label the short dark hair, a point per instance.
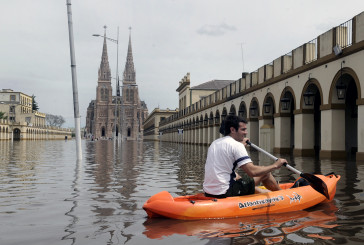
(231, 121)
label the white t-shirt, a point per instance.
(223, 157)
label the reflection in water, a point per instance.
(261, 229)
(47, 197)
(75, 194)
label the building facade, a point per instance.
(21, 122)
(151, 124)
(122, 116)
(308, 101)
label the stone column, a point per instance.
(304, 134)
(217, 131)
(253, 130)
(282, 133)
(266, 133)
(360, 153)
(206, 135)
(333, 134)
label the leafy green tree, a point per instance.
(35, 106)
(2, 115)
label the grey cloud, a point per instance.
(215, 30)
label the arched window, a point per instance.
(106, 96)
(131, 95)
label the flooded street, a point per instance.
(47, 197)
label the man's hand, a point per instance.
(280, 162)
(244, 141)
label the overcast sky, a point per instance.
(211, 39)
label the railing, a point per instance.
(343, 38)
(311, 51)
(344, 34)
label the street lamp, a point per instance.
(341, 87)
(267, 107)
(309, 98)
(285, 100)
(117, 74)
(253, 110)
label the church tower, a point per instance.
(133, 111)
(104, 116)
(129, 71)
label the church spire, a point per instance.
(104, 70)
(129, 72)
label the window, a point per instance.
(12, 109)
(12, 97)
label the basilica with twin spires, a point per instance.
(120, 116)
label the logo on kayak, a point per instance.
(294, 198)
(268, 201)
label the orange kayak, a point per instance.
(198, 206)
(323, 216)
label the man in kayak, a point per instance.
(228, 153)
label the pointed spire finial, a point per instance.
(105, 30)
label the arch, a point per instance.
(287, 122)
(211, 118)
(224, 114)
(217, 117)
(269, 98)
(314, 122)
(287, 93)
(254, 103)
(232, 110)
(103, 133)
(347, 109)
(345, 71)
(312, 82)
(16, 134)
(242, 110)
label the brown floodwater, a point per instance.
(48, 197)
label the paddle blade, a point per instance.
(317, 184)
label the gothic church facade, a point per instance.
(127, 110)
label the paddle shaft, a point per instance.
(274, 158)
(315, 182)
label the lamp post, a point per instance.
(116, 77)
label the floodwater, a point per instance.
(47, 197)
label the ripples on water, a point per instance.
(47, 197)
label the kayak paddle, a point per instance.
(315, 182)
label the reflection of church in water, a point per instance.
(130, 113)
